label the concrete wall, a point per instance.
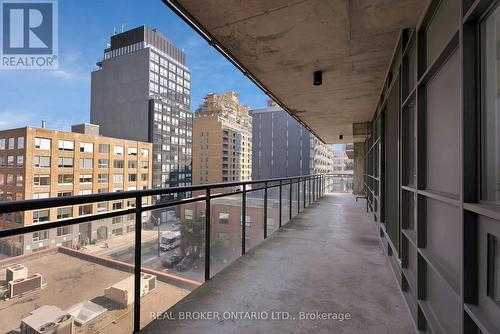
(359, 168)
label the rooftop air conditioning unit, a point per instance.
(148, 283)
(47, 319)
(16, 271)
(22, 285)
(122, 292)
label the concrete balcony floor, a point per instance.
(327, 259)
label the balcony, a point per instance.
(326, 259)
(112, 271)
(304, 250)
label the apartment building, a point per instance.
(321, 157)
(141, 91)
(42, 163)
(342, 163)
(222, 140)
(283, 147)
(226, 224)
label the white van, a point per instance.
(170, 240)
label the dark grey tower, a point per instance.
(280, 145)
(142, 91)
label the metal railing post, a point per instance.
(298, 195)
(318, 191)
(319, 186)
(323, 178)
(314, 188)
(280, 209)
(207, 234)
(137, 264)
(290, 199)
(309, 190)
(304, 193)
(265, 210)
(243, 219)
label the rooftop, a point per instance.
(69, 280)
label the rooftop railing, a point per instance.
(272, 201)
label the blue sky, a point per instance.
(62, 97)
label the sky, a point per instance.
(62, 97)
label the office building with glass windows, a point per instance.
(141, 90)
(281, 146)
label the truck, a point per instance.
(170, 240)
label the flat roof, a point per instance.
(69, 280)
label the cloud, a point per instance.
(195, 42)
(11, 119)
(62, 74)
(74, 56)
(69, 75)
(70, 67)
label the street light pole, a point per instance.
(155, 220)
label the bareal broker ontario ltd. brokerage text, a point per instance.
(244, 315)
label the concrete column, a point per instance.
(359, 168)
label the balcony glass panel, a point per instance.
(254, 221)
(172, 251)
(225, 234)
(78, 275)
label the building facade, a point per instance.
(141, 90)
(226, 225)
(342, 164)
(283, 147)
(43, 163)
(222, 140)
(320, 157)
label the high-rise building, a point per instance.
(142, 91)
(320, 157)
(283, 147)
(280, 144)
(342, 163)
(43, 163)
(222, 140)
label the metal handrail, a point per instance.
(315, 188)
(46, 203)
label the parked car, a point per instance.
(185, 264)
(171, 261)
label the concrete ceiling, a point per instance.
(282, 42)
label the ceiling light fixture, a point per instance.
(317, 78)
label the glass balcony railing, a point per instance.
(340, 183)
(114, 271)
